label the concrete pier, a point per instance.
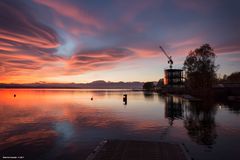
(137, 150)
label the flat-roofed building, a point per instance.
(173, 77)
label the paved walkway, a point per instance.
(137, 150)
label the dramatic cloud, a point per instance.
(52, 39)
(18, 29)
(76, 13)
(25, 44)
(73, 28)
(97, 60)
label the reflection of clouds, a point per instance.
(29, 137)
(66, 119)
(70, 107)
(69, 116)
(62, 122)
(65, 129)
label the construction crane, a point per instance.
(170, 61)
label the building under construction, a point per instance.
(172, 77)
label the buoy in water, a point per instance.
(14, 95)
(91, 98)
(125, 99)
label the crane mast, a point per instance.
(170, 61)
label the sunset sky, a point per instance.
(112, 40)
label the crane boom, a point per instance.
(164, 52)
(170, 61)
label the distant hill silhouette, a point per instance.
(100, 84)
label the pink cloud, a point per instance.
(38, 41)
(145, 53)
(227, 49)
(25, 45)
(232, 59)
(20, 29)
(74, 29)
(97, 60)
(195, 41)
(69, 10)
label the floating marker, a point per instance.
(125, 99)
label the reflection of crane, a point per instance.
(170, 61)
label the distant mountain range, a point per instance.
(100, 84)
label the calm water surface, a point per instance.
(66, 124)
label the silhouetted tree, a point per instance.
(222, 79)
(234, 77)
(148, 86)
(225, 77)
(200, 67)
(160, 83)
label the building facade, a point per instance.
(173, 77)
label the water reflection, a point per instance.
(233, 106)
(148, 95)
(66, 123)
(173, 108)
(125, 99)
(199, 120)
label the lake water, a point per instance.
(66, 124)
